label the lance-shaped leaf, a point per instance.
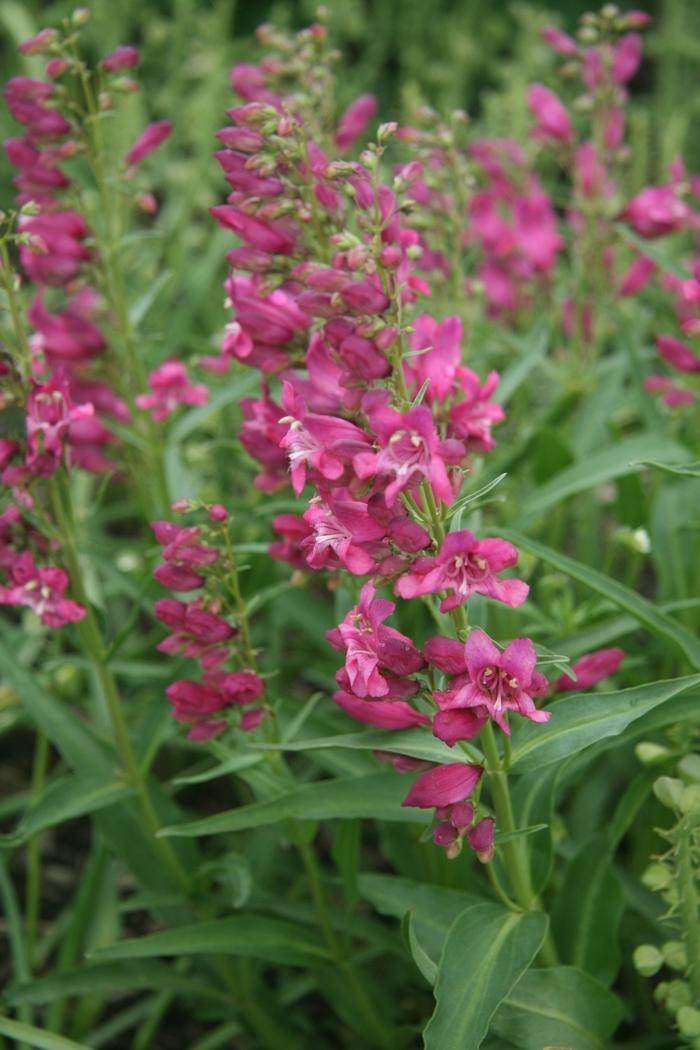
(255, 936)
(558, 1007)
(487, 950)
(581, 719)
(377, 796)
(656, 621)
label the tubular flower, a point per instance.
(465, 566)
(497, 682)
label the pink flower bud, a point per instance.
(120, 59)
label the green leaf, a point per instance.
(612, 462)
(579, 720)
(102, 978)
(232, 765)
(587, 911)
(253, 936)
(425, 964)
(487, 950)
(434, 908)
(563, 1007)
(644, 612)
(27, 1033)
(67, 734)
(684, 470)
(533, 802)
(417, 743)
(530, 351)
(377, 796)
(67, 798)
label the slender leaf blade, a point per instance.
(580, 720)
(486, 952)
(643, 611)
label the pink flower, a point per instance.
(39, 44)
(410, 451)
(657, 211)
(62, 234)
(444, 785)
(42, 590)
(354, 121)
(120, 59)
(371, 648)
(238, 687)
(457, 724)
(560, 42)
(498, 681)
(50, 414)
(465, 566)
(590, 670)
(637, 276)
(440, 361)
(260, 435)
(149, 140)
(171, 388)
(364, 297)
(342, 534)
(627, 58)
(323, 444)
(385, 714)
(266, 236)
(194, 628)
(673, 396)
(184, 556)
(677, 354)
(481, 839)
(553, 121)
(474, 414)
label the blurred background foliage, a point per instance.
(468, 54)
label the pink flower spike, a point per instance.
(444, 785)
(149, 140)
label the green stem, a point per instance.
(18, 951)
(513, 854)
(157, 498)
(33, 883)
(15, 311)
(96, 650)
(689, 904)
(376, 1029)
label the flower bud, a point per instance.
(688, 1020)
(649, 753)
(81, 16)
(689, 768)
(657, 877)
(690, 799)
(675, 955)
(647, 959)
(668, 790)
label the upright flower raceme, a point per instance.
(375, 421)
